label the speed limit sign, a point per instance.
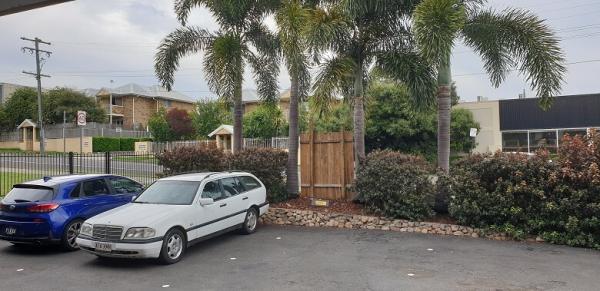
(81, 118)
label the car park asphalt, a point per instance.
(295, 258)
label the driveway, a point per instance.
(293, 258)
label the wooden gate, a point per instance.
(327, 165)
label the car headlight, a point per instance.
(139, 232)
(86, 229)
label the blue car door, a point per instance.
(96, 197)
(124, 189)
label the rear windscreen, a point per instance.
(28, 194)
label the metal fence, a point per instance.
(18, 167)
(69, 131)
(159, 147)
(274, 142)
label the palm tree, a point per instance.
(357, 37)
(504, 40)
(291, 18)
(241, 39)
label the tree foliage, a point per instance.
(64, 99)
(394, 123)
(180, 123)
(159, 127)
(209, 115)
(266, 121)
(22, 104)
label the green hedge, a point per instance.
(557, 199)
(114, 144)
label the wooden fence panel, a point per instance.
(327, 165)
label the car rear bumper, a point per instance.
(26, 232)
(121, 249)
(263, 208)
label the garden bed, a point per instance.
(345, 207)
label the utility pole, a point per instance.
(38, 75)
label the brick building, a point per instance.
(131, 106)
(251, 101)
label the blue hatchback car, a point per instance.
(51, 210)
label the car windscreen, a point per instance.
(23, 193)
(169, 192)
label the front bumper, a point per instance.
(122, 249)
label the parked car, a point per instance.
(174, 213)
(52, 209)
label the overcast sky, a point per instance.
(112, 42)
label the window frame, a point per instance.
(113, 189)
(218, 185)
(108, 187)
(235, 179)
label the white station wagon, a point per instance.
(175, 212)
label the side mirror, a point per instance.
(206, 201)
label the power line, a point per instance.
(485, 73)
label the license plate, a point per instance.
(10, 231)
(103, 247)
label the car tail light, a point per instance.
(43, 208)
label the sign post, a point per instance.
(81, 121)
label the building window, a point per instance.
(117, 101)
(514, 142)
(571, 132)
(542, 140)
(167, 103)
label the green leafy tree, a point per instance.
(338, 118)
(242, 38)
(4, 122)
(64, 99)
(21, 105)
(209, 115)
(393, 123)
(291, 18)
(351, 39)
(505, 40)
(159, 127)
(266, 121)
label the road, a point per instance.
(316, 259)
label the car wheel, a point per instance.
(70, 234)
(173, 247)
(250, 222)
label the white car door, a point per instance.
(237, 201)
(254, 190)
(210, 218)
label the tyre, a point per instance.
(70, 235)
(250, 222)
(173, 247)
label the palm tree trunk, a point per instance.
(443, 100)
(359, 114)
(238, 114)
(292, 163)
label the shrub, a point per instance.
(396, 185)
(105, 144)
(114, 144)
(558, 200)
(192, 159)
(268, 165)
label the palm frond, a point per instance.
(264, 69)
(265, 41)
(334, 77)
(184, 7)
(436, 25)
(517, 38)
(175, 45)
(411, 69)
(327, 30)
(223, 65)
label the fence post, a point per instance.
(107, 162)
(71, 163)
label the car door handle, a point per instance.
(245, 198)
(223, 205)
